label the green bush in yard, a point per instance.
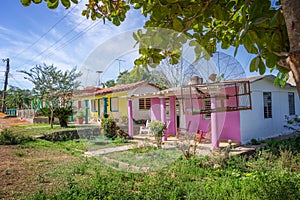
(158, 128)
(8, 137)
(111, 129)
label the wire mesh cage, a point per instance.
(224, 96)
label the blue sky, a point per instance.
(35, 35)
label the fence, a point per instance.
(26, 113)
(12, 112)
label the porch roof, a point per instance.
(94, 91)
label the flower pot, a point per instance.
(80, 121)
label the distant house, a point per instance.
(113, 101)
(242, 112)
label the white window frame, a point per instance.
(114, 104)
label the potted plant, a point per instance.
(158, 128)
(80, 116)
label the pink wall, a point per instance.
(231, 127)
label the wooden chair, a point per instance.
(203, 136)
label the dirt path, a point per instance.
(11, 121)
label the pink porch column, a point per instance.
(163, 114)
(130, 118)
(172, 126)
(163, 109)
(214, 126)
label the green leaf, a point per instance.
(116, 21)
(136, 36)
(37, 1)
(66, 3)
(75, 1)
(260, 20)
(254, 64)
(138, 62)
(172, 1)
(261, 67)
(83, 13)
(98, 15)
(271, 60)
(26, 2)
(52, 5)
(274, 19)
(177, 24)
(137, 5)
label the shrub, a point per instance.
(254, 142)
(8, 137)
(158, 128)
(111, 130)
(109, 126)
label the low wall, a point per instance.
(88, 133)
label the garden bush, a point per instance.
(111, 129)
(8, 137)
(158, 128)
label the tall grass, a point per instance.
(271, 173)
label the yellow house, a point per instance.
(114, 101)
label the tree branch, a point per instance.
(284, 63)
(190, 20)
(286, 54)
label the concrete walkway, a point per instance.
(202, 149)
(110, 150)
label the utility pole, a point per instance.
(99, 72)
(120, 60)
(5, 84)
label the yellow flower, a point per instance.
(248, 174)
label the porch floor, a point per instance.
(172, 140)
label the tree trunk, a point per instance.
(51, 120)
(291, 13)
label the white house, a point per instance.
(270, 105)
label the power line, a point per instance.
(42, 36)
(53, 44)
(87, 28)
(16, 81)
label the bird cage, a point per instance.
(227, 96)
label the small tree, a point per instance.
(53, 85)
(18, 98)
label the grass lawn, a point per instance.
(58, 170)
(37, 129)
(148, 157)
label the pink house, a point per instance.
(213, 107)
